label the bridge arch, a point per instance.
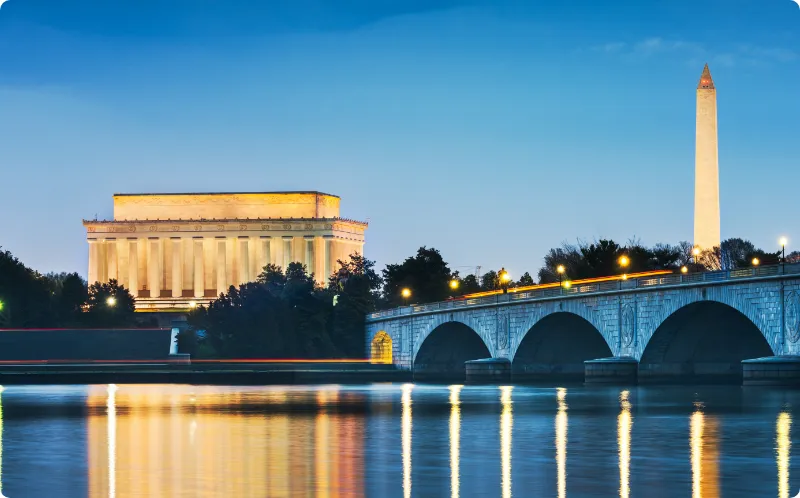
(703, 339)
(443, 351)
(556, 346)
(381, 348)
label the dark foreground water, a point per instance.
(393, 440)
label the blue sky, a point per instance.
(492, 130)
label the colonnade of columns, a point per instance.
(204, 266)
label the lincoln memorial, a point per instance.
(173, 251)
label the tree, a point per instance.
(69, 294)
(490, 281)
(426, 274)
(25, 295)
(355, 286)
(793, 257)
(469, 285)
(109, 305)
(525, 280)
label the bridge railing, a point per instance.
(596, 287)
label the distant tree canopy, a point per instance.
(426, 274)
(31, 300)
(285, 315)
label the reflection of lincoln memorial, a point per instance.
(171, 250)
(170, 441)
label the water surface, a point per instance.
(396, 441)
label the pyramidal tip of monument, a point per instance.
(706, 81)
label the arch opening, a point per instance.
(381, 348)
(706, 341)
(556, 347)
(443, 353)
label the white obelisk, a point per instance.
(706, 172)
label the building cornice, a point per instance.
(229, 220)
(280, 192)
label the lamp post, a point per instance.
(454, 286)
(783, 243)
(560, 270)
(505, 278)
(406, 293)
(4, 321)
(695, 254)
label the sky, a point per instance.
(491, 130)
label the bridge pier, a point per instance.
(488, 370)
(771, 371)
(614, 370)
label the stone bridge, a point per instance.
(693, 325)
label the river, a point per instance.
(390, 440)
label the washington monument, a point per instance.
(706, 166)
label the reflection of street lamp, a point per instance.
(505, 278)
(406, 293)
(111, 301)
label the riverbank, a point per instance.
(233, 373)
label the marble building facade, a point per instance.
(173, 251)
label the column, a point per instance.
(298, 250)
(93, 261)
(111, 259)
(222, 277)
(287, 251)
(319, 261)
(330, 261)
(308, 243)
(154, 266)
(199, 268)
(102, 266)
(266, 252)
(133, 267)
(244, 260)
(255, 258)
(177, 267)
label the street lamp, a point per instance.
(567, 284)
(406, 293)
(756, 261)
(695, 254)
(111, 301)
(560, 270)
(193, 304)
(505, 278)
(454, 284)
(624, 262)
(684, 269)
(783, 243)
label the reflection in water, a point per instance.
(215, 441)
(783, 444)
(406, 439)
(1, 442)
(455, 439)
(506, 421)
(704, 441)
(624, 423)
(561, 441)
(111, 406)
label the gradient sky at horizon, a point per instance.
(489, 129)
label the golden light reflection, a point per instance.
(455, 440)
(704, 442)
(111, 407)
(624, 424)
(696, 440)
(1, 441)
(228, 442)
(561, 441)
(406, 438)
(783, 450)
(506, 424)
